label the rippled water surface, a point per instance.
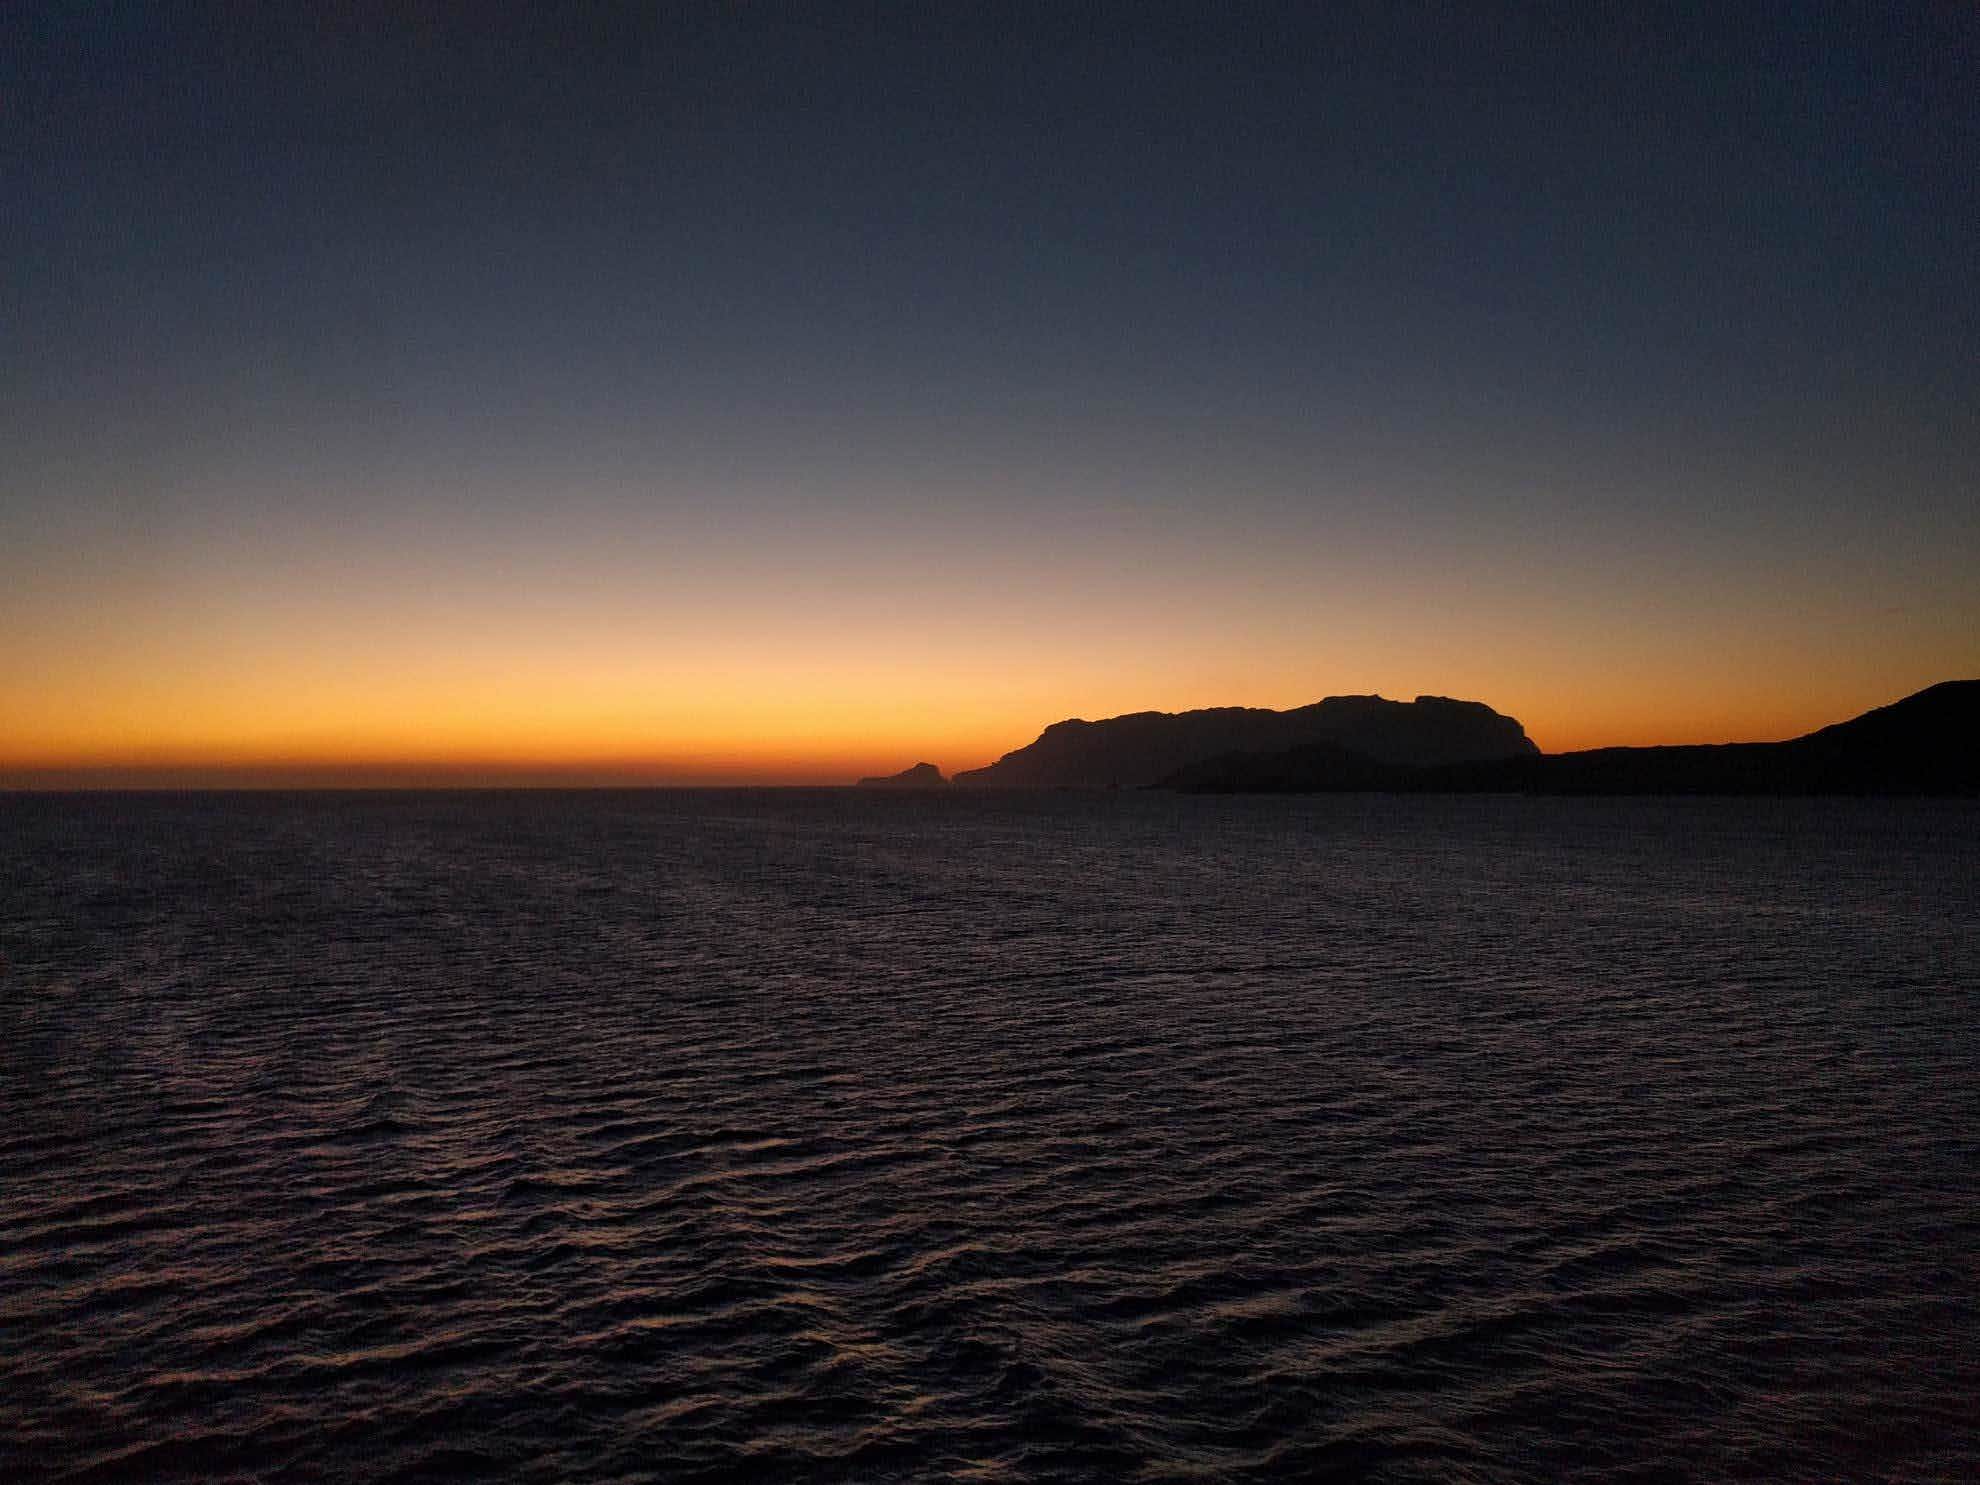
(842, 1136)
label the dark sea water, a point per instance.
(838, 1136)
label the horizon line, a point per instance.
(330, 774)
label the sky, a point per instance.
(762, 393)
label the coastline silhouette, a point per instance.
(1926, 743)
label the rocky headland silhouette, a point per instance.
(1144, 748)
(921, 776)
(1927, 743)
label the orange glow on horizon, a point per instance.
(803, 741)
(820, 657)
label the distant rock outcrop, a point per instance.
(921, 776)
(1143, 748)
(1928, 743)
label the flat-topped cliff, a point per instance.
(1143, 748)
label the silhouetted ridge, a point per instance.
(1311, 768)
(1925, 744)
(921, 776)
(1143, 748)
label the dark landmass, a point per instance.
(1316, 768)
(1925, 744)
(921, 776)
(1145, 748)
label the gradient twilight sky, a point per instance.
(781, 393)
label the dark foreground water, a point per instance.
(838, 1136)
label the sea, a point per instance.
(838, 1135)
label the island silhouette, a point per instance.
(921, 776)
(1926, 744)
(1144, 748)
